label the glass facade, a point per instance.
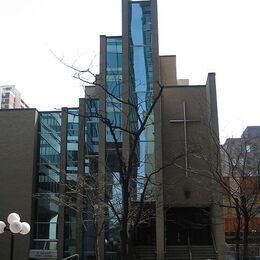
(141, 94)
(72, 138)
(140, 90)
(114, 114)
(91, 148)
(49, 160)
(72, 144)
(141, 84)
(47, 194)
(91, 137)
(114, 86)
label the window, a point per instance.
(234, 162)
(241, 161)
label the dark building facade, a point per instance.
(75, 175)
(18, 156)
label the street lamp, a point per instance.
(14, 227)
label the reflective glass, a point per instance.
(114, 86)
(141, 68)
(46, 224)
(141, 86)
(72, 141)
(71, 178)
(91, 172)
(114, 194)
(114, 60)
(140, 23)
(47, 230)
(89, 238)
(92, 127)
(69, 238)
(48, 170)
(49, 152)
(91, 137)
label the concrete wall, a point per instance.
(196, 189)
(178, 186)
(168, 75)
(18, 140)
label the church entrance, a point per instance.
(188, 223)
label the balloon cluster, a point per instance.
(15, 226)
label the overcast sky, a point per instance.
(219, 36)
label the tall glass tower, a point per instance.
(129, 71)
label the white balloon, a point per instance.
(13, 217)
(15, 227)
(25, 228)
(2, 227)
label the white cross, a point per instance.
(184, 121)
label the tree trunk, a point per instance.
(131, 251)
(124, 242)
(124, 222)
(238, 228)
(238, 240)
(97, 249)
(245, 237)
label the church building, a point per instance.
(139, 127)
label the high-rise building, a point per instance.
(137, 128)
(10, 98)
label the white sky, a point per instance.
(219, 36)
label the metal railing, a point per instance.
(45, 243)
(72, 256)
(189, 246)
(214, 243)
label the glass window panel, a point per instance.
(115, 118)
(109, 136)
(69, 238)
(114, 60)
(140, 23)
(49, 152)
(48, 170)
(141, 68)
(146, 158)
(71, 213)
(72, 143)
(92, 127)
(89, 238)
(114, 193)
(91, 165)
(92, 108)
(46, 230)
(114, 88)
(114, 77)
(113, 106)
(48, 207)
(141, 87)
(52, 244)
(114, 47)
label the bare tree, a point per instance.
(240, 169)
(130, 183)
(238, 180)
